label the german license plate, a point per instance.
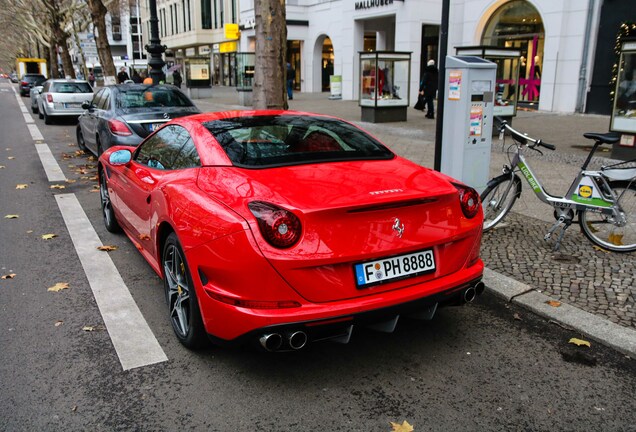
(398, 267)
(72, 105)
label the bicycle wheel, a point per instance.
(604, 231)
(498, 198)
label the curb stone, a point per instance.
(599, 329)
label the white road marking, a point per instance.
(132, 338)
(28, 118)
(35, 132)
(51, 167)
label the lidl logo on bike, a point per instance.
(585, 191)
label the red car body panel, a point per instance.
(347, 210)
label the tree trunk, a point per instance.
(271, 44)
(98, 16)
(67, 63)
(54, 72)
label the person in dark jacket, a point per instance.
(428, 87)
(290, 75)
(122, 76)
(136, 78)
(176, 78)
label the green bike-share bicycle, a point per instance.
(604, 200)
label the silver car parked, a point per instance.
(63, 97)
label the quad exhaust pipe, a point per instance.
(274, 341)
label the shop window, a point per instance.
(518, 24)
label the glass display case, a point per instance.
(384, 85)
(507, 84)
(624, 109)
(245, 62)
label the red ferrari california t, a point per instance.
(286, 228)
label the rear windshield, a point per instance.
(151, 97)
(62, 87)
(33, 78)
(266, 141)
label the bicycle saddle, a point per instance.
(605, 138)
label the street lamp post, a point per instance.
(155, 49)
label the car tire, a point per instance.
(47, 118)
(108, 214)
(34, 109)
(98, 144)
(183, 306)
(40, 115)
(80, 139)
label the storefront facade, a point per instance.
(326, 38)
(556, 38)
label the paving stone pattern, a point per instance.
(596, 281)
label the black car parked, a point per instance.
(125, 114)
(28, 81)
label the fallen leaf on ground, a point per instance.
(94, 190)
(8, 276)
(517, 317)
(79, 153)
(88, 328)
(70, 181)
(58, 323)
(553, 303)
(404, 427)
(58, 287)
(580, 342)
(12, 216)
(600, 249)
(107, 248)
(49, 236)
(2, 166)
(30, 232)
(74, 408)
(11, 158)
(57, 186)
(21, 186)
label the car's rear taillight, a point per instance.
(468, 200)
(118, 128)
(281, 228)
(49, 98)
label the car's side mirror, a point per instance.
(120, 157)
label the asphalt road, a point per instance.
(483, 366)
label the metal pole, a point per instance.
(154, 48)
(443, 49)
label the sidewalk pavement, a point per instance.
(596, 289)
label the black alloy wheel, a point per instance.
(80, 138)
(107, 207)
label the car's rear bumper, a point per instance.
(339, 327)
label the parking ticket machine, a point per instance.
(469, 96)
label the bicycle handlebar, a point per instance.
(523, 138)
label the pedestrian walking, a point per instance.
(428, 87)
(176, 78)
(91, 78)
(122, 76)
(291, 75)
